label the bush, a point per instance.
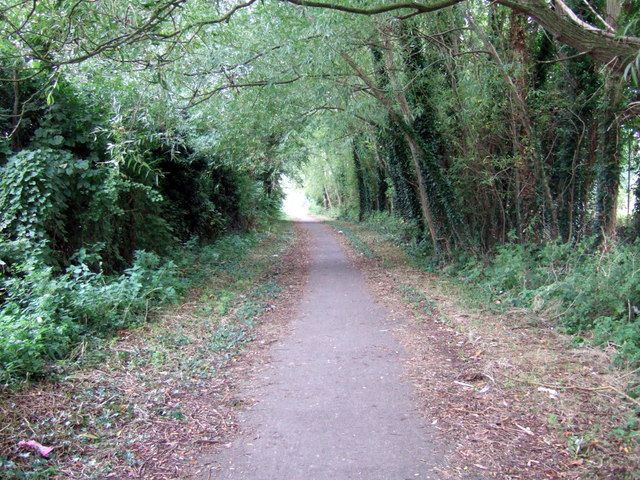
(584, 290)
(93, 206)
(45, 315)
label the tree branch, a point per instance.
(204, 96)
(562, 22)
(416, 6)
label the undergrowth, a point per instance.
(589, 294)
(45, 316)
(102, 411)
(592, 295)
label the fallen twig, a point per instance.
(574, 387)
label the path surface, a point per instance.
(333, 404)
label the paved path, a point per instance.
(333, 404)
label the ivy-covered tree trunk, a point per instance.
(381, 190)
(393, 151)
(571, 143)
(525, 198)
(609, 158)
(531, 179)
(636, 209)
(395, 154)
(433, 195)
(364, 196)
(16, 143)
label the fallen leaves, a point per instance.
(511, 419)
(150, 407)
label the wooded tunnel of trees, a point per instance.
(134, 131)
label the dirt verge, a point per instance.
(157, 398)
(505, 390)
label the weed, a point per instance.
(574, 445)
(629, 432)
(41, 469)
(417, 299)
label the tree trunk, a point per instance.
(16, 117)
(526, 134)
(363, 190)
(609, 157)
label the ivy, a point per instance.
(34, 193)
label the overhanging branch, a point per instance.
(417, 7)
(615, 51)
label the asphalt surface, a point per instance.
(333, 403)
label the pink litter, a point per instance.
(41, 449)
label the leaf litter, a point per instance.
(504, 392)
(508, 395)
(153, 400)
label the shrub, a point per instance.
(45, 315)
(586, 290)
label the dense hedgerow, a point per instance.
(94, 219)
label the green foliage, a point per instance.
(34, 195)
(584, 290)
(44, 315)
(96, 201)
(41, 469)
(418, 301)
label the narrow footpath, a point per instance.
(333, 403)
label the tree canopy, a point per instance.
(247, 82)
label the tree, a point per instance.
(601, 43)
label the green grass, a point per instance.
(357, 243)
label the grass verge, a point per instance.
(513, 396)
(145, 402)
